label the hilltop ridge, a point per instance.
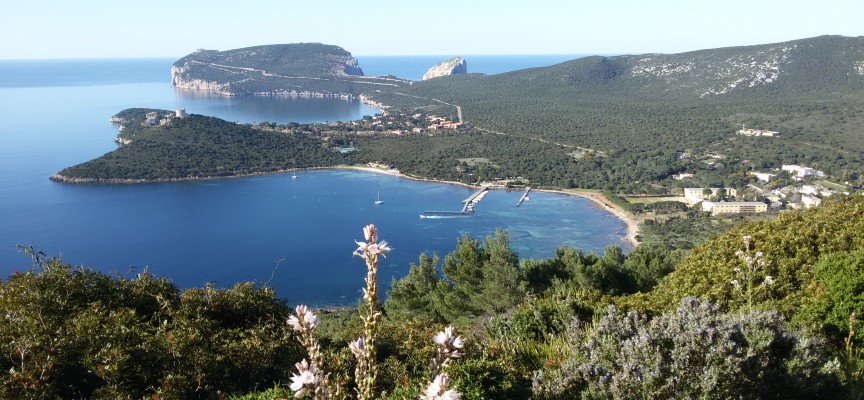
(298, 69)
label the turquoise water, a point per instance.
(295, 234)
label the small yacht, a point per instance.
(379, 201)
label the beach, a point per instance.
(597, 198)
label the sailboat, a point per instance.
(293, 173)
(379, 201)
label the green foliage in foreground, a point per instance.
(694, 351)
(76, 333)
(792, 245)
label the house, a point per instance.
(682, 176)
(695, 195)
(763, 176)
(734, 207)
(810, 201)
(799, 172)
(756, 132)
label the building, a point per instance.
(810, 201)
(181, 113)
(696, 195)
(734, 207)
(799, 172)
(152, 118)
(756, 132)
(763, 176)
(682, 176)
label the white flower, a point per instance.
(304, 318)
(449, 342)
(305, 381)
(736, 283)
(747, 240)
(370, 233)
(769, 280)
(437, 390)
(369, 249)
(358, 347)
(295, 323)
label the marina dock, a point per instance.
(524, 196)
(474, 198)
(467, 208)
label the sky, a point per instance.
(39, 29)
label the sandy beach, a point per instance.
(596, 197)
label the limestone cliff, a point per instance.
(453, 66)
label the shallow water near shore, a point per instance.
(296, 235)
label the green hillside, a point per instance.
(634, 106)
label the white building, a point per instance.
(696, 195)
(682, 176)
(734, 207)
(181, 113)
(763, 176)
(799, 172)
(810, 201)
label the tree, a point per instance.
(411, 296)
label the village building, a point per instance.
(763, 176)
(734, 207)
(695, 195)
(799, 172)
(756, 132)
(810, 201)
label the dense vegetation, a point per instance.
(199, 146)
(767, 309)
(650, 116)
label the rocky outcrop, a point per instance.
(453, 66)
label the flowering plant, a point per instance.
(310, 378)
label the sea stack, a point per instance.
(453, 66)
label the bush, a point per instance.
(694, 351)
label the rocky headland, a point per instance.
(453, 66)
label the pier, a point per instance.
(524, 196)
(467, 209)
(474, 198)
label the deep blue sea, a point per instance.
(296, 235)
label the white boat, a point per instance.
(379, 201)
(294, 173)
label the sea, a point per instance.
(294, 232)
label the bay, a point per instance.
(296, 235)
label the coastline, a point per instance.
(603, 203)
(596, 198)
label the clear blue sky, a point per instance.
(37, 29)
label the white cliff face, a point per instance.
(180, 80)
(453, 66)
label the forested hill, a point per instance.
(825, 65)
(638, 108)
(197, 147)
(299, 68)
